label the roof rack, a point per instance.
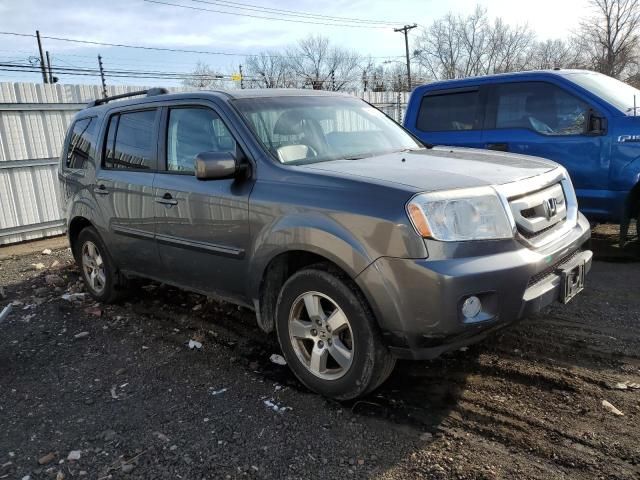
(149, 93)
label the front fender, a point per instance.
(629, 175)
(313, 233)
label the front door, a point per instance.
(124, 189)
(202, 225)
(545, 120)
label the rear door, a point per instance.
(124, 188)
(203, 225)
(545, 120)
(451, 117)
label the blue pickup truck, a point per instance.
(583, 120)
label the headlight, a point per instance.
(458, 215)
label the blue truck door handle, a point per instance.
(500, 147)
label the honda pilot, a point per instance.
(350, 239)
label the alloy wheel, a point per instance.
(321, 335)
(93, 267)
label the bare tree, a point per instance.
(508, 48)
(609, 40)
(324, 67)
(203, 77)
(456, 46)
(554, 54)
(439, 49)
(269, 70)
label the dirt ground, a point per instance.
(118, 387)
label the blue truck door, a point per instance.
(546, 120)
(449, 117)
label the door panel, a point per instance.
(202, 225)
(542, 119)
(124, 190)
(127, 205)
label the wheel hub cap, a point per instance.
(93, 267)
(321, 335)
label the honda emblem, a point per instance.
(550, 208)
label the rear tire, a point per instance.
(329, 337)
(101, 278)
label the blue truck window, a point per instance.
(541, 107)
(449, 111)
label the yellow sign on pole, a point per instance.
(236, 77)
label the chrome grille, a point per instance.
(538, 212)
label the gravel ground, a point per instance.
(114, 391)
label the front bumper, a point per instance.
(418, 301)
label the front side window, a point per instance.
(194, 130)
(130, 141)
(449, 112)
(541, 107)
(310, 129)
(80, 151)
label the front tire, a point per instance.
(329, 337)
(98, 271)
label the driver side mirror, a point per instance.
(216, 165)
(595, 124)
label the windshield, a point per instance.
(310, 129)
(613, 91)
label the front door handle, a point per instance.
(167, 199)
(101, 189)
(500, 147)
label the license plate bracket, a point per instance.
(571, 281)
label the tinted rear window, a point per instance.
(130, 141)
(450, 111)
(80, 151)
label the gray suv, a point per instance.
(349, 238)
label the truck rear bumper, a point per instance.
(418, 302)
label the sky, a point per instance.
(156, 24)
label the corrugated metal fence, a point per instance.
(33, 122)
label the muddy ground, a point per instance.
(119, 387)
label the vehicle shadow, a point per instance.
(606, 245)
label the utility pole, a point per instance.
(49, 67)
(42, 67)
(405, 30)
(241, 78)
(104, 84)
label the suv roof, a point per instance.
(156, 94)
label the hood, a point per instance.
(440, 168)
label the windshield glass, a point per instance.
(310, 129)
(613, 91)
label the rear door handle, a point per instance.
(167, 199)
(101, 189)
(500, 147)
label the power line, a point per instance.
(202, 9)
(159, 49)
(292, 13)
(113, 73)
